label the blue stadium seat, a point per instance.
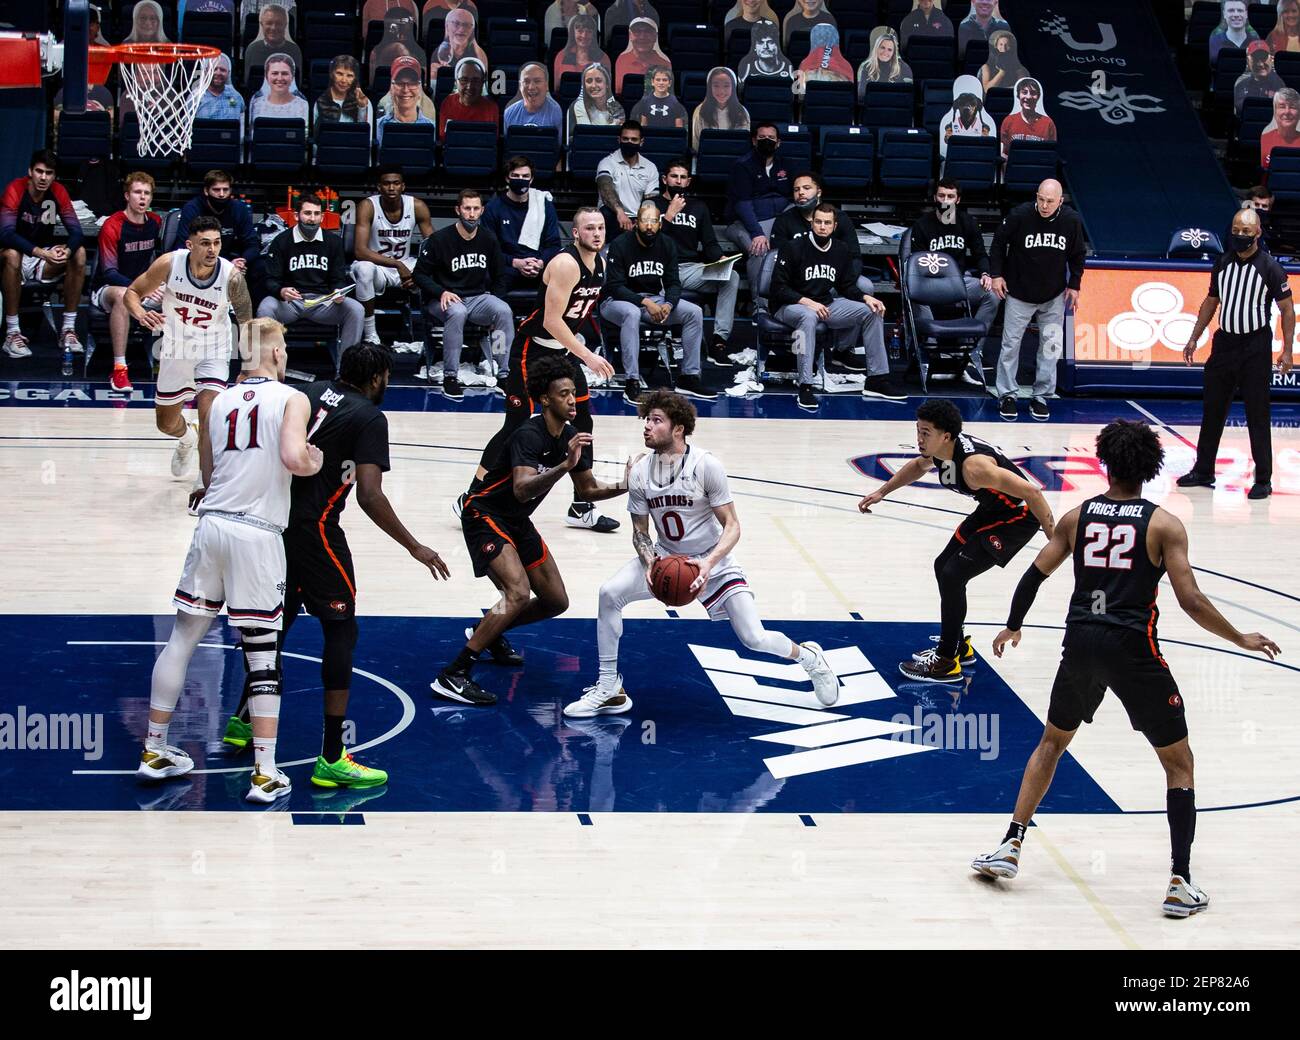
(128, 148)
(769, 98)
(905, 159)
(797, 47)
(412, 146)
(719, 151)
(279, 144)
(1284, 174)
(831, 104)
(588, 145)
(848, 157)
(216, 144)
(541, 144)
(631, 90)
(797, 146)
(343, 148)
(318, 76)
(570, 86)
(513, 41)
(856, 46)
(445, 85)
(1229, 67)
(694, 47)
(1029, 163)
(691, 86)
(1201, 22)
(974, 162)
(887, 104)
(1192, 243)
(975, 57)
(1262, 17)
(930, 57)
(469, 148)
(661, 145)
(210, 29)
(936, 102)
(1287, 66)
(84, 135)
(1256, 113)
(998, 103)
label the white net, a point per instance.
(166, 95)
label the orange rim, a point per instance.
(104, 58)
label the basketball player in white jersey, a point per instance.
(236, 557)
(199, 290)
(385, 242)
(685, 491)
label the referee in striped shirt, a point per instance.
(1244, 285)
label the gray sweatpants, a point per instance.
(627, 316)
(1051, 335)
(724, 311)
(844, 314)
(983, 304)
(349, 315)
(743, 240)
(483, 309)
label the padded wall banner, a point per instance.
(1137, 159)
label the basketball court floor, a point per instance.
(729, 808)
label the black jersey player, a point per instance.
(1009, 512)
(571, 285)
(346, 423)
(499, 533)
(1122, 545)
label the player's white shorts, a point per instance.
(192, 366)
(628, 585)
(236, 563)
(372, 280)
(34, 270)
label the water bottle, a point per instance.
(68, 360)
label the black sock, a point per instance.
(581, 503)
(1016, 830)
(331, 747)
(1180, 808)
(464, 662)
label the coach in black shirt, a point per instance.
(687, 222)
(1244, 285)
(465, 277)
(641, 280)
(1037, 267)
(306, 262)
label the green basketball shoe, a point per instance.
(346, 772)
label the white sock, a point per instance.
(806, 657)
(190, 437)
(119, 362)
(264, 756)
(156, 737)
(369, 329)
(11, 323)
(69, 321)
(609, 675)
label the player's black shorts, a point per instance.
(523, 353)
(1127, 661)
(319, 572)
(486, 536)
(1001, 537)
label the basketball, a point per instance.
(670, 579)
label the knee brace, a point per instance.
(336, 659)
(261, 658)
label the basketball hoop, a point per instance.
(165, 82)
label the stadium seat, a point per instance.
(279, 144)
(1284, 174)
(905, 159)
(588, 145)
(974, 58)
(570, 86)
(412, 146)
(831, 104)
(128, 148)
(888, 104)
(1287, 66)
(946, 338)
(1228, 68)
(541, 144)
(1192, 243)
(848, 157)
(691, 87)
(84, 135)
(470, 149)
(797, 146)
(936, 102)
(769, 99)
(998, 103)
(513, 41)
(1029, 163)
(974, 162)
(1256, 113)
(930, 57)
(343, 148)
(661, 145)
(216, 144)
(719, 151)
(1262, 17)
(694, 47)
(210, 29)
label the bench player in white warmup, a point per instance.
(237, 554)
(685, 491)
(387, 223)
(199, 290)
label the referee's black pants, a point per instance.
(1245, 363)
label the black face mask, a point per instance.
(810, 205)
(822, 241)
(648, 237)
(218, 205)
(946, 211)
(1241, 243)
(519, 185)
(674, 193)
(630, 149)
(766, 148)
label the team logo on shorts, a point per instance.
(249, 395)
(1175, 700)
(515, 402)
(338, 606)
(996, 542)
(490, 547)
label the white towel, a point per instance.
(530, 235)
